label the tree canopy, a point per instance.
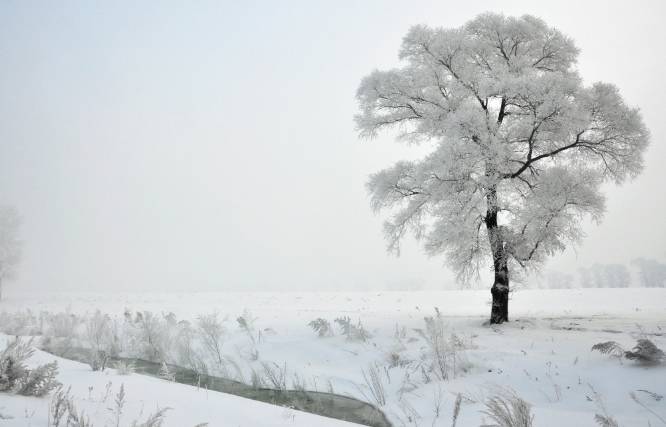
(515, 134)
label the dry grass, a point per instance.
(374, 383)
(507, 409)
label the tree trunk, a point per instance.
(500, 292)
(499, 312)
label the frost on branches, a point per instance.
(520, 146)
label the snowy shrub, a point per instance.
(443, 357)
(508, 410)
(322, 327)
(63, 332)
(101, 334)
(99, 338)
(59, 332)
(59, 325)
(97, 360)
(124, 367)
(19, 323)
(62, 347)
(153, 336)
(12, 366)
(15, 377)
(187, 351)
(165, 373)
(211, 331)
(39, 381)
(645, 351)
(353, 332)
(275, 375)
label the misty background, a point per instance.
(211, 145)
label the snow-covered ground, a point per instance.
(543, 354)
(95, 393)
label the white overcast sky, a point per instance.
(211, 145)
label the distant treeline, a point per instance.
(643, 272)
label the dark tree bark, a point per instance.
(500, 290)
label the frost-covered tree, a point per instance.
(10, 245)
(605, 276)
(651, 273)
(520, 147)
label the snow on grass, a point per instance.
(543, 354)
(94, 393)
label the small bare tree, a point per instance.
(212, 331)
(10, 245)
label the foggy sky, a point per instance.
(211, 145)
